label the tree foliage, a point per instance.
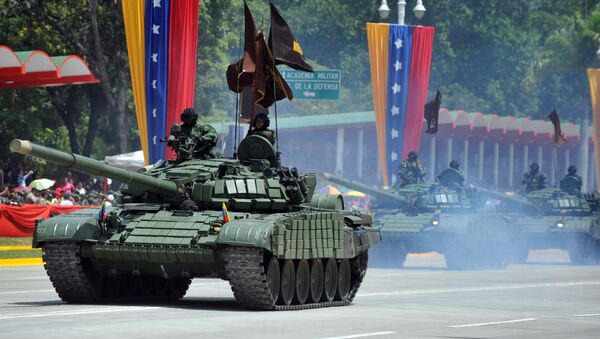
(519, 57)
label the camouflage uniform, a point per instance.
(200, 138)
(452, 176)
(534, 179)
(411, 172)
(264, 131)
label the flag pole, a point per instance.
(272, 36)
(554, 161)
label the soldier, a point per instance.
(411, 170)
(572, 182)
(534, 179)
(260, 126)
(192, 141)
(452, 176)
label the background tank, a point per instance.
(448, 219)
(564, 220)
(283, 247)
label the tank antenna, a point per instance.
(237, 100)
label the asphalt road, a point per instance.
(547, 298)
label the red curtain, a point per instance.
(183, 42)
(19, 221)
(420, 66)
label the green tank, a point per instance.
(455, 221)
(283, 247)
(559, 219)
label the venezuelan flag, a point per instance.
(161, 43)
(400, 63)
(225, 214)
(102, 213)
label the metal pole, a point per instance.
(401, 11)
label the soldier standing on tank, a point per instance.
(534, 179)
(452, 175)
(190, 140)
(572, 182)
(411, 170)
(260, 126)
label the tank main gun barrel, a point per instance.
(381, 195)
(94, 167)
(514, 201)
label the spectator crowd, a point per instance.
(15, 178)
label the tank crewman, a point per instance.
(190, 140)
(534, 179)
(452, 175)
(572, 182)
(260, 126)
(411, 170)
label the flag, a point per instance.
(285, 47)
(256, 68)
(559, 139)
(225, 214)
(102, 212)
(240, 74)
(594, 82)
(400, 58)
(432, 113)
(162, 38)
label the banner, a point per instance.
(400, 58)
(161, 42)
(594, 79)
(19, 221)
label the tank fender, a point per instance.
(247, 232)
(77, 226)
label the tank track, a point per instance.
(245, 269)
(76, 281)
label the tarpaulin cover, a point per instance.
(19, 221)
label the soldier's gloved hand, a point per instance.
(171, 138)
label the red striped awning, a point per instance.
(36, 69)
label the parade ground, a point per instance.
(546, 297)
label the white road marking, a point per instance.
(495, 323)
(23, 292)
(480, 288)
(586, 315)
(75, 312)
(362, 335)
(34, 278)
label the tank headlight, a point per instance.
(435, 222)
(560, 224)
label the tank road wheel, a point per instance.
(316, 281)
(288, 282)
(302, 282)
(330, 281)
(73, 277)
(344, 280)
(274, 278)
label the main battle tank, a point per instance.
(560, 218)
(446, 218)
(282, 248)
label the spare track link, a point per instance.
(75, 281)
(245, 268)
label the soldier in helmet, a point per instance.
(260, 126)
(452, 176)
(534, 179)
(572, 182)
(190, 140)
(411, 170)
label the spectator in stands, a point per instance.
(67, 200)
(67, 186)
(80, 189)
(22, 177)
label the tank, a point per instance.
(561, 218)
(462, 223)
(258, 225)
